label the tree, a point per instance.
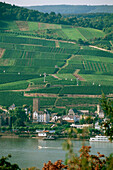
(80, 41)
(4, 164)
(18, 117)
(89, 120)
(55, 166)
(82, 121)
(107, 106)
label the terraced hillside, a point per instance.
(44, 60)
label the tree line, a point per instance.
(102, 21)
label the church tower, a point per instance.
(36, 105)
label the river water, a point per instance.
(26, 153)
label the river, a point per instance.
(25, 151)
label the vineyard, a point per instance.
(54, 90)
(89, 90)
(22, 40)
(19, 100)
(95, 66)
(7, 78)
(67, 45)
(33, 59)
(29, 50)
(14, 85)
(45, 30)
(42, 26)
(23, 26)
(73, 34)
(89, 33)
(76, 101)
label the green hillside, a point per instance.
(25, 57)
(44, 30)
(66, 66)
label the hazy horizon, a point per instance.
(59, 2)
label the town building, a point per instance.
(12, 107)
(39, 116)
(71, 117)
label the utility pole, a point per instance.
(77, 80)
(44, 77)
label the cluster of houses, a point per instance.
(39, 116)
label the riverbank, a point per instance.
(8, 135)
(3, 135)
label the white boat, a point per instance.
(39, 147)
(99, 139)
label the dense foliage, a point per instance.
(5, 164)
(9, 12)
(18, 117)
(107, 106)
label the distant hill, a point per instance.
(73, 9)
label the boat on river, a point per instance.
(39, 147)
(49, 138)
(99, 139)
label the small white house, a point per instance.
(12, 107)
(42, 134)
